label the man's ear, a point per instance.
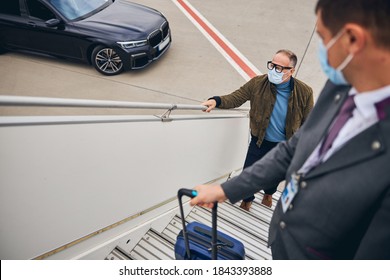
(357, 38)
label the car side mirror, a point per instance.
(52, 22)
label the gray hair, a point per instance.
(292, 56)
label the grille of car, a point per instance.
(157, 36)
(165, 29)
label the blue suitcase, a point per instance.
(197, 241)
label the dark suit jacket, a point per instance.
(342, 208)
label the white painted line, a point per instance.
(233, 56)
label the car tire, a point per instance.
(106, 61)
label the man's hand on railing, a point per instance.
(211, 103)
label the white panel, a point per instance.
(61, 182)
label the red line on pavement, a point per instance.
(219, 41)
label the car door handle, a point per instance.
(32, 24)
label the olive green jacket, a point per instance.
(262, 96)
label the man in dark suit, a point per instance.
(336, 203)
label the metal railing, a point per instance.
(87, 103)
(27, 101)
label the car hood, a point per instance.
(124, 19)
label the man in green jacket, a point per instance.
(279, 104)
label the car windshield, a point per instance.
(72, 9)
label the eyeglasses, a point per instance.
(278, 68)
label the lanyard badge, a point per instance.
(290, 191)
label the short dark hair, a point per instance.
(373, 15)
(292, 56)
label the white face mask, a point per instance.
(275, 77)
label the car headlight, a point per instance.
(132, 44)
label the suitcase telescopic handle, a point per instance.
(214, 241)
(187, 192)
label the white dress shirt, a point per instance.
(363, 116)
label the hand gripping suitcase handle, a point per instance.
(214, 241)
(187, 192)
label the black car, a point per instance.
(111, 35)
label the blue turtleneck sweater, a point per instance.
(276, 130)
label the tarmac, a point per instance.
(192, 70)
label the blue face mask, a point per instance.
(275, 77)
(335, 75)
